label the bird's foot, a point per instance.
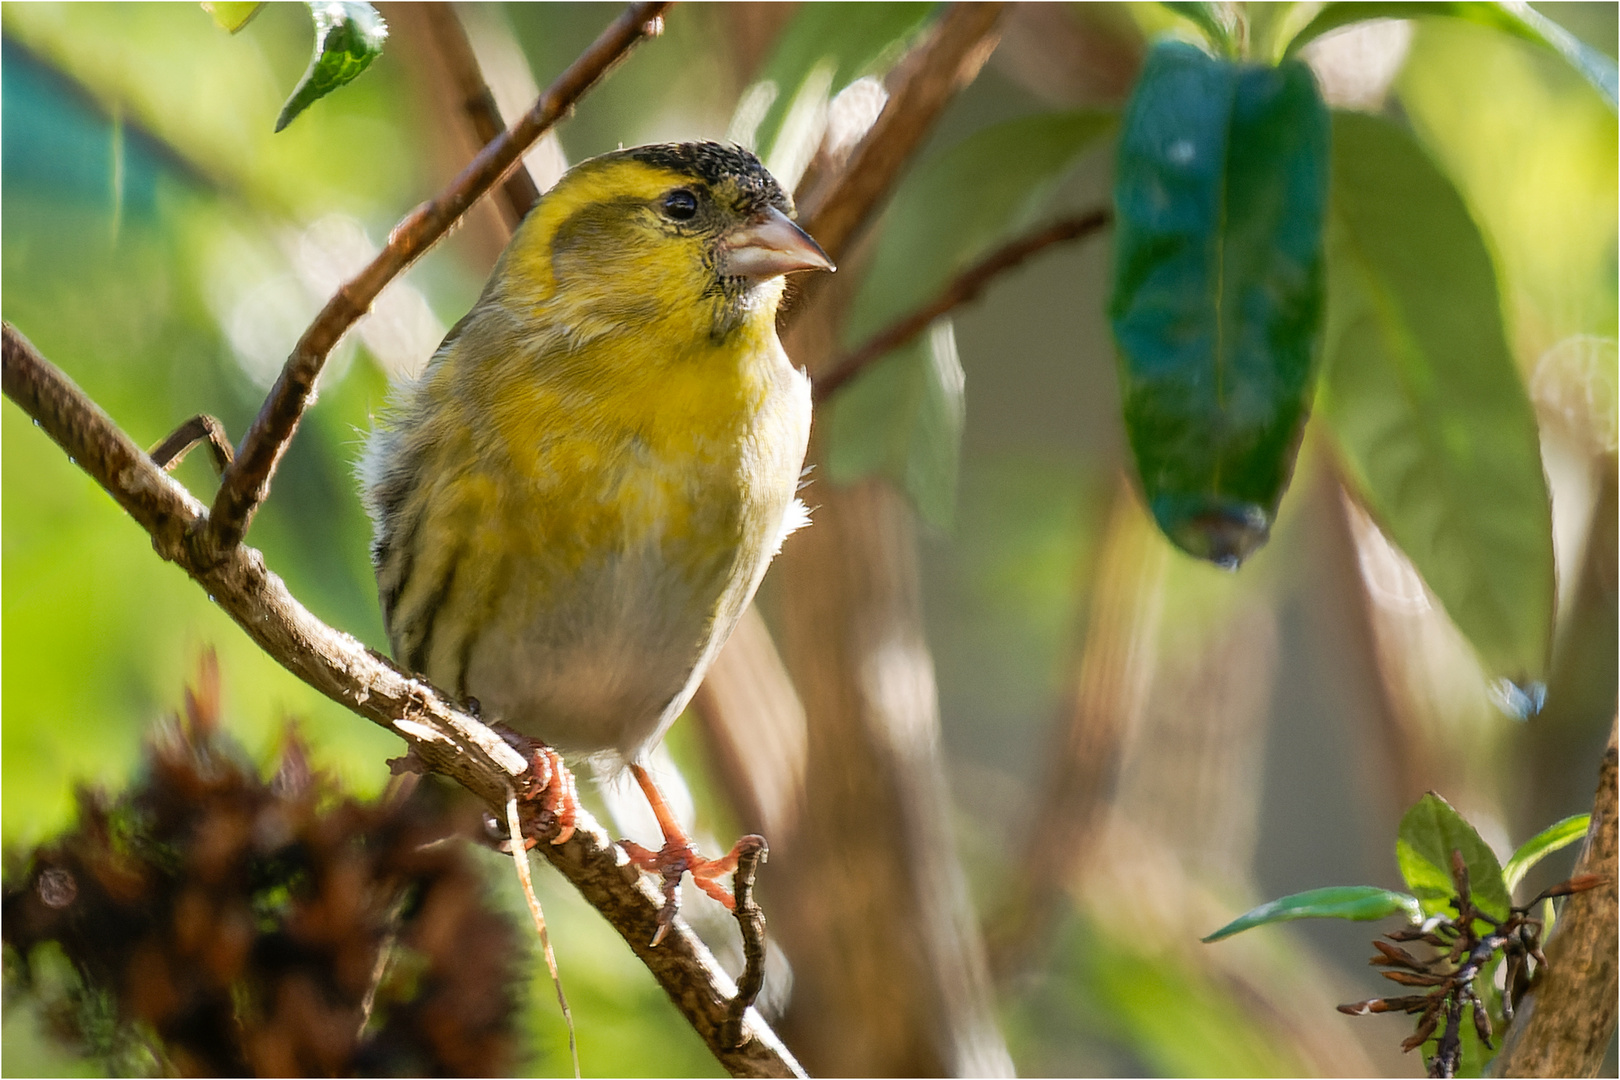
(680, 856)
(548, 801)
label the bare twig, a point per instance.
(964, 287)
(1564, 1024)
(247, 482)
(201, 428)
(751, 921)
(922, 86)
(443, 737)
(519, 193)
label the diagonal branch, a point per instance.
(518, 192)
(247, 482)
(923, 85)
(446, 739)
(964, 287)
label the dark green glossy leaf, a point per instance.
(1519, 20)
(233, 15)
(1552, 838)
(1217, 20)
(1429, 833)
(1221, 193)
(902, 417)
(348, 37)
(1361, 903)
(1422, 394)
(849, 40)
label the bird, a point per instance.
(577, 498)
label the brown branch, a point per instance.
(1563, 1027)
(247, 482)
(923, 85)
(964, 287)
(519, 193)
(446, 739)
(751, 923)
(201, 428)
(1104, 703)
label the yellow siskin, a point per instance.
(579, 496)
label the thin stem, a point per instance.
(964, 287)
(518, 192)
(247, 482)
(922, 86)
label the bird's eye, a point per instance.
(680, 205)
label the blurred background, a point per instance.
(1099, 750)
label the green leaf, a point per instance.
(1429, 833)
(348, 37)
(1217, 20)
(1423, 396)
(1544, 843)
(852, 39)
(233, 15)
(1518, 20)
(1221, 192)
(902, 417)
(1362, 903)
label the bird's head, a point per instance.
(697, 231)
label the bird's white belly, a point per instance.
(609, 659)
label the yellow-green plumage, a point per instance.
(577, 499)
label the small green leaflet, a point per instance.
(1361, 903)
(1516, 19)
(902, 417)
(1422, 395)
(348, 37)
(1429, 833)
(1544, 843)
(1220, 196)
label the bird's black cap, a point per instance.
(716, 164)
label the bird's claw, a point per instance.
(548, 799)
(675, 858)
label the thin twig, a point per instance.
(247, 482)
(201, 428)
(443, 737)
(519, 193)
(964, 287)
(923, 85)
(751, 921)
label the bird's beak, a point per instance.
(769, 246)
